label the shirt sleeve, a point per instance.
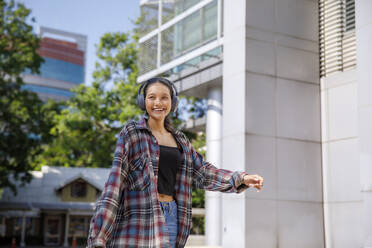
(102, 222)
(207, 176)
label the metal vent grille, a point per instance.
(349, 15)
(336, 36)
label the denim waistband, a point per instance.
(169, 206)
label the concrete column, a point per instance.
(364, 75)
(213, 138)
(67, 225)
(233, 130)
(23, 234)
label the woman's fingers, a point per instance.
(257, 186)
(258, 179)
(255, 181)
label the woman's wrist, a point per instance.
(245, 179)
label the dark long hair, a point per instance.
(167, 121)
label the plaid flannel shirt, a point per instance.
(128, 212)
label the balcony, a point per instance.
(176, 35)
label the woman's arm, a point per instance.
(207, 176)
(101, 224)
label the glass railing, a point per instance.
(194, 62)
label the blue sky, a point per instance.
(89, 17)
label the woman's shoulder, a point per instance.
(179, 133)
(182, 136)
(129, 127)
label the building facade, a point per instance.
(288, 88)
(55, 207)
(64, 66)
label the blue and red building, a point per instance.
(64, 66)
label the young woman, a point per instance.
(146, 201)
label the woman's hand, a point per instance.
(254, 181)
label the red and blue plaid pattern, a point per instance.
(128, 213)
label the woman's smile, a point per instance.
(158, 109)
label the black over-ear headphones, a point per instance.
(141, 94)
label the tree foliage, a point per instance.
(85, 133)
(24, 120)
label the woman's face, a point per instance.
(158, 101)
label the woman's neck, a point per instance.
(156, 125)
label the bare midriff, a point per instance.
(165, 198)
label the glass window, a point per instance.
(222, 16)
(188, 4)
(149, 17)
(79, 226)
(168, 10)
(191, 33)
(187, 34)
(172, 8)
(47, 90)
(78, 189)
(209, 21)
(15, 226)
(62, 70)
(167, 45)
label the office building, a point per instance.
(64, 66)
(289, 93)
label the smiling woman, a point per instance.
(147, 199)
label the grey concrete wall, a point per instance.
(271, 123)
(341, 177)
(363, 32)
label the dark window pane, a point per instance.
(79, 189)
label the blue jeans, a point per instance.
(171, 216)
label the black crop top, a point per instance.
(169, 162)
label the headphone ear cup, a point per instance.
(141, 98)
(141, 101)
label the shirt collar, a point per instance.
(142, 124)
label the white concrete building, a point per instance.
(289, 90)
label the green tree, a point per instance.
(24, 120)
(84, 135)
